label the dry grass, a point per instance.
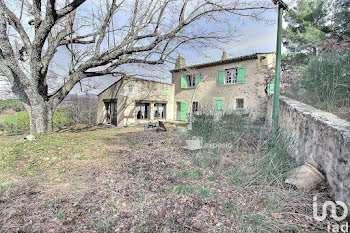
(130, 180)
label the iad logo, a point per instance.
(333, 210)
(332, 205)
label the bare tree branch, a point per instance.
(144, 32)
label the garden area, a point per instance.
(75, 111)
(130, 180)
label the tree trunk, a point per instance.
(40, 118)
(40, 112)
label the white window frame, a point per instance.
(231, 76)
(148, 116)
(155, 108)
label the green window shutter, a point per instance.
(272, 87)
(221, 79)
(183, 81)
(218, 105)
(198, 78)
(241, 74)
(165, 91)
(183, 114)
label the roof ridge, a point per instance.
(218, 62)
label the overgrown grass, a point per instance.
(47, 150)
(275, 163)
(251, 161)
(12, 118)
(19, 123)
(142, 181)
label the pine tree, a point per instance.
(341, 19)
(306, 27)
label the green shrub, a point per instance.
(14, 104)
(61, 118)
(22, 120)
(230, 128)
(327, 80)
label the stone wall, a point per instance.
(321, 134)
(253, 91)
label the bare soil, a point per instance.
(144, 181)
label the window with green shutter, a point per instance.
(221, 77)
(218, 105)
(241, 74)
(183, 81)
(183, 113)
(198, 77)
(272, 87)
(165, 91)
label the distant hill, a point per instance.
(74, 96)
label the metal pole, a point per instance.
(275, 109)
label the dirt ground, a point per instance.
(130, 180)
(9, 112)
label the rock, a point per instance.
(29, 138)
(194, 144)
(305, 177)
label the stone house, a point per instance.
(229, 85)
(131, 101)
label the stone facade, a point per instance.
(120, 103)
(248, 97)
(321, 134)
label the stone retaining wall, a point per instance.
(321, 134)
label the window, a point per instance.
(142, 111)
(231, 76)
(239, 103)
(191, 80)
(195, 107)
(159, 110)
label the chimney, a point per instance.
(224, 56)
(180, 62)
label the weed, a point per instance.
(184, 189)
(182, 163)
(145, 227)
(230, 207)
(275, 163)
(236, 176)
(212, 177)
(202, 191)
(197, 174)
(23, 173)
(61, 215)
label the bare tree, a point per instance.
(101, 36)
